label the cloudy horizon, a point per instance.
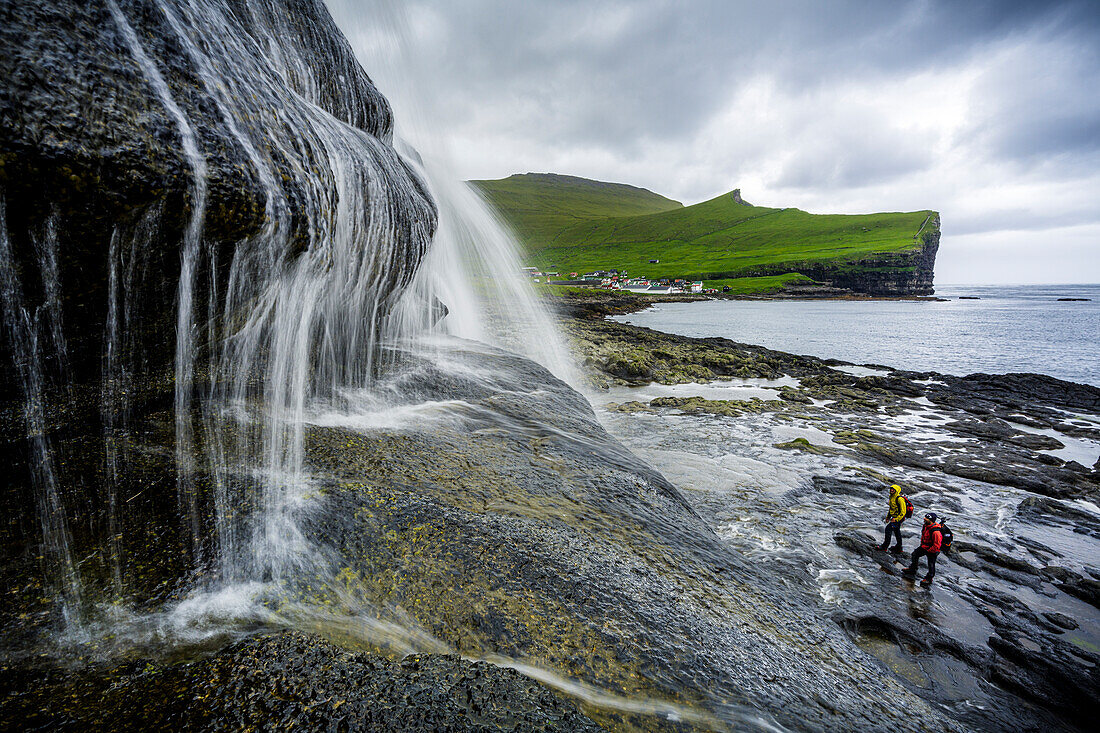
(984, 111)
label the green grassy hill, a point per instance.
(574, 225)
(538, 206)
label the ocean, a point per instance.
(1010, 329)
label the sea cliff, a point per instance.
(905, 273)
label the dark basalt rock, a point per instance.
(288, 680)
(1087, 589)
(1064, 681)
(1061, 620)
(1012, 390)
(1042, 509)
(1035, 442)
(846, 486)
(981, 581)
(574, 558)
(97, 192)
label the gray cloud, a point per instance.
(984, 110)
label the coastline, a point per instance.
(956, 336)
(620, 354)
(599, 303)
(1006, 458)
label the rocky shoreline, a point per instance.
(952, 443)
(597, 303)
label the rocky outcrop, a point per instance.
(1007, 618)
(514, 525)
(92, 146)
(160, 165)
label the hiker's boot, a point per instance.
(909, 572)
(925, 583)
(896, 549)
(883, 546)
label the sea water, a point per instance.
(1007, 329)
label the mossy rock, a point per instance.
(801, 444)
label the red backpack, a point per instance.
(908, 506)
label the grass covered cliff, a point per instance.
(569, 224)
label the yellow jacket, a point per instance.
(897, 504)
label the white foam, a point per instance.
(399, 417)
(835, 582)
(861, 371)
(727, 389)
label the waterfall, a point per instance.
(473, 266)
(192, 240)
(473, 269)
(305, 314)
(23, 329)
(45, 247)
(331, 289)
(112, 406)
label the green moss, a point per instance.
(801, 444)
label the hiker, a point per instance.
(899, 509)
(934, 537)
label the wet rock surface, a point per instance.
(500, 520)
(97, 195)
(989, 430)
(1008, 634)
(287, 680)
(540, 539)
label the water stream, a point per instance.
(336, 289)
(24, 328)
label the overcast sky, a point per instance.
(988, 112)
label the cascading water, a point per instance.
(473, 266)
(320, 351)
(302, 314)
(23, 329)
(189, 255)
(295, 309)
(221, 307)
(308, 321)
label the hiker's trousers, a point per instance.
(893, 528)
(917, 554)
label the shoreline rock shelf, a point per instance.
(978, 449)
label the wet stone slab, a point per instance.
(979, 451)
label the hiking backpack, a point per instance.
(945, 537)
(908, 506)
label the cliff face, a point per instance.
(905, 273)
(910, 272)
(101, 101)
